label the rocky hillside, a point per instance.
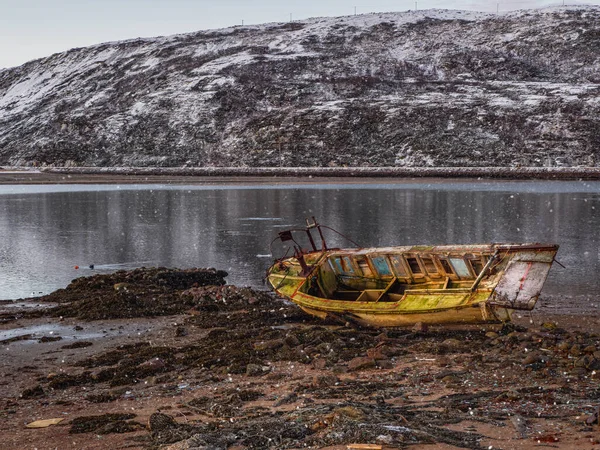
(426, 88)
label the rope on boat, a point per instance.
(287, 272)
(342, 235)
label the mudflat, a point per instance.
(161, 358)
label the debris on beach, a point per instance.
(44, 423)
(142, 292)
(252, 371)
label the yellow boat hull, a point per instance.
(400, 287)
(466, 308)
(462, 316)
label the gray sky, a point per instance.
(32, 29)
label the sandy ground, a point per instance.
(427, 389)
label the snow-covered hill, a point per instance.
(426, 88)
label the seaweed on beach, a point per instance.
(105, 424)
(144, 292)
(248, 370)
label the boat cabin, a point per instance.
(385, 276)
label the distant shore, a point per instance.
(201, 175)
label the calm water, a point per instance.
(47, 230)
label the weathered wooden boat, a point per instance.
(402, 286)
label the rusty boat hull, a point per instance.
(402, 286)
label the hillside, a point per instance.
(426, 88)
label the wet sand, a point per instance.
(240, 369)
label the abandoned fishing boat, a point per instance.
(401, 286)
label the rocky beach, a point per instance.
(166, 358)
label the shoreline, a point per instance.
(160, 364)
(478, 376)
(259, 175)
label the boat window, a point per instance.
(347, 265)
(460, 267)
(342, 265)
(336, 263)
(363, 264)
(476, 264)
(429, 265)
(447, 267)
(414, 265)
(381, 265)
(398, 266)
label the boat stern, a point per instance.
(523, 278)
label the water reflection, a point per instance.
(46, 231)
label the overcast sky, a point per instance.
(32, 29)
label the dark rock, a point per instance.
(420, 327)
(549, 326)
(142, 292)
(154, 364)
(160, 422)
(104, 424)
(33, 392)
(290, 398)
(255, 370)
(564, 346)
(445, 373)
(532, 358)
(385, 364)
(269, 345)
(292, 340)
(575, 350)
(49, 339)
(452, 344)
(594, 417)
(520, 425)
(319, 363)
(376, 353)
(322, 381)
(77, 344)
(593, 364)
(450, 379)
(361, 363)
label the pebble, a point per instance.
(324, 381)
(376, 353)
(385, 364)
(563, 346)
(531, 358)
(452, 343)
(575, 350)
(420, 327)
(360, 363)
(319, 363)
(253, 370)
(450, 379)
